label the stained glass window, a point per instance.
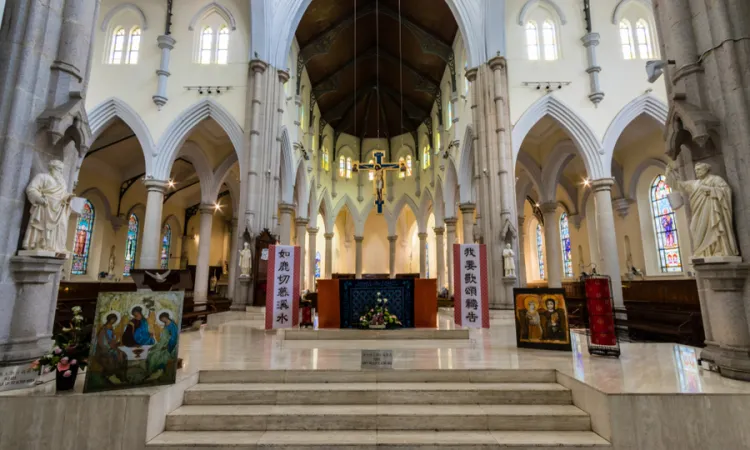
(644, 39)
(84, 228)
(342, 166)
(317, 265)
(207, 44)
(408, 165)
(222, 48)
(135, 45)
(437, 142)
(448, 114)
(540, 250)
(549, 39)
(665, 227)
(626, 40)
(118, 46)
(166, 242)
(402, 163)
(426, 159)
(565, 242)
(532, 41)
(348, 168)
(131, 244)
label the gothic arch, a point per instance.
(214, 7)
(528, 165)
(124, 7)
(194, 154)
(562, 153)
(286, 174)
(221, 172)
(551, 6)
(633, 183)
(466, 167)
(621, 4)
(183, 125)
(301, 190)
(439, 205)
(106, 208)
(586, 141)
(449, 191)
(395, 212)
(176, 226)
(347, 202)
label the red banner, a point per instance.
(601, 313)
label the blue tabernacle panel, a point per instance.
(357, 296)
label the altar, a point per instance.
(342, 301)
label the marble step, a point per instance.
(360, 376)
(378, 417)
(375, 440)
(378, 393)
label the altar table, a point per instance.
(330, 305)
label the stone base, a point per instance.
(42, 254)
(374, 335)
(716, 259)
(734, 363)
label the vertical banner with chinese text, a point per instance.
(282, 294)
(472, 306)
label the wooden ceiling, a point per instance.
(347, 92)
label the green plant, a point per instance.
(71, 347)
(379, 315)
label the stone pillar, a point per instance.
(450, 225)
(184, 251)
(521, 267)
(200, 291)
(422, 255)
(166, 44)
(151, 244)
(392, 255)
(234, 253)
(301, 243)
(605, 228)
(242, 296)
(312, 234)
(34, 314)
(440, 254)
(467, 220)
(329, 255)
(358, 256)
(552, 244)
(285, 223)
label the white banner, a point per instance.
(282, 294)
(470, 280)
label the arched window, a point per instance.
(166, 242)
(665, 227)
(532, 41)
(408, 165)
(207, 45)
(567, 259)
(426, 158)
(131, 244)
(371, 173)
(549, 40)
(135, 45)
(84, 228)
(437, 141)
(317, 265)
(448, 115)
(643, 37)
(342, 166)
(540, 250)
(348, 168)
(324, 159)
(222, 48)
(118, 46)
(402, 163)
(626, 40)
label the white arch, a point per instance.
(94, 192)
(449, 191)
(466, 167)
(523, 188)
(645, 104)
(531, 4)
(124, 7)
(633, 183)
(426, 206)
(438, 205)
(183, 125)
(562, 153)
(176, 226)
(214, 7)
(233, 186)
(620, 6)
(395, 212)
(301, 190)
(194, 154)
(582, 135)
(352, 208)
(287, 168)
(102, 116)
(528, 165)
(325, 204)
(221, 172)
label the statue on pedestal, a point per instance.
(246, 261)
(46, 233)
(711, 206)
(508, 262)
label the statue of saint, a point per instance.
(50, 210)
(711, 206)
(508, 262)
(111, 267)
(246, 260)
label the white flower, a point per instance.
(76, 310)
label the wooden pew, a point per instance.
(575, 300)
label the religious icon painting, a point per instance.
(541, 319)
(135, 340)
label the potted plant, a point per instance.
(69, 354)
(378, 317)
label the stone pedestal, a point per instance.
(725, 318)
(34, 309)
(242, 295)
(508, 284)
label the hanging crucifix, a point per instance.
(379, 167)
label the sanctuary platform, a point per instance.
(377, 335)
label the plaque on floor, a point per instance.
(377, 359)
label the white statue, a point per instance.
(711, 206)
(50, 210)
(111, 267)
(508, 262)
(246, 260)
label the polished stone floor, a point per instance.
(642, 368)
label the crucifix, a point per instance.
(379, 167)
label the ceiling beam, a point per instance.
(331, 82)
(322, 43)
(411, 108)
(368, 103)
(427, 41)
(383, 118)
(339, 111)
(413, 117)
(430, 85)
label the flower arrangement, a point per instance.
(70, 351)
(378, 317)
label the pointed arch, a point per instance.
(183, 125)
(586, 141)
(395, 212)
(234, 192)
(174, 223)
(104, 210)
(286, 168)
(217, 8)
(621, 4)
(449, 191)
(528, 165)
(102, 116)
(426, 206)
(325, 207)
(636, 176)
(548, 4)
(301, 190)
(439, 205)
(124, 7)
(524, 186)
(466, 167)
(562, 153)
(645, 104)
(346, 202)
(194, 154)
(222, 171)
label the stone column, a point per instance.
(151, 244)
(552, 244)
(285, 223)
(440, 254)
(392, 255)
(605, 228)
(422, 255)
(521, 268)
(329, 254)
(184, 251)
(166, 44)
(235, 243)
(301, 243)
(200, 291)
(450, 225)
(358, 256)
(467, 220)
(312, 234)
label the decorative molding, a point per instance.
(214, 7)
(531, 4)
(618, 9)
(124, 7)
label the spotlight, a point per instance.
(586, 182)
(171, 183)
(218, 90)
(200, 90)
(538, 87)
(217, 206)
(548, 88)
(559, 86)
(537, 205)
(209, 91)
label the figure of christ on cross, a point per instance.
(379, 167)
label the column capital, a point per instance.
(283, 76)
(548, 207)
(497, 63)
(301, 222)
(206, 208)
(450, 221)
(359, 239)
(622, 206)
(422, 236)
(393, 238)
(159, 186)
(165, 42)
(602, 184)
(328, 235)
(286, 208)
(312, 230)
(257, 65)
(471, 74)
(439, 231)
(467, 207)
